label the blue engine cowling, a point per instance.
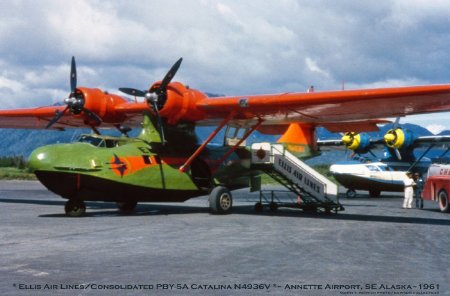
(357, 142)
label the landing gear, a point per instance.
(220, 200)
(127, 206)
(351, 193)
(443, 201)
(75, 208)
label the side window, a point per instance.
(110, 143)
(147, 159)
(373, 168)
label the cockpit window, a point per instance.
(110, 143)
(97, 142)
(383, 168)
(373, 168)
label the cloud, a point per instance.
(313, 67)
(435, 128)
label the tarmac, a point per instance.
(374, 247)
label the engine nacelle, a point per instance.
(399, 138)
(358, 142)
(181, 104)
(101, 103)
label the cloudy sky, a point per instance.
(229, 47)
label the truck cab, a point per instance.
(437, 186)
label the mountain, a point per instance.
(444, 133)
(23, 142)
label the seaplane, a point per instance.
(386, 174)
(165, 163)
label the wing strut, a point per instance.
(199, 150)
(420, 158)
(231, 150)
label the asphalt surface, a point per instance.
(372, 248)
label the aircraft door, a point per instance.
(201, 174)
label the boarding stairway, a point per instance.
(314, 191)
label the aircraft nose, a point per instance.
(38, 159)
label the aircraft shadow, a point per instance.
(159, 210)
(389, 219)
(105, 210)
(32, 201)
(100, 209)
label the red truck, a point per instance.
(437, 186)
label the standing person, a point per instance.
(409, 191)
(418, 190)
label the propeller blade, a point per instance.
(58, 115)
(396, 123)
(73, 76)
(397, 153)
(93, 116)
(161, 129)
(132, 92)
(170, 75)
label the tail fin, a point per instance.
(300, 140)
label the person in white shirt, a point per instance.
(409, 190)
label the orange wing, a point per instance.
(102, 104)
(337, 110)
(357, 109)
(332, 107)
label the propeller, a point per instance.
(157, 95)
(349, 140)
(75, 102)
(391, 138)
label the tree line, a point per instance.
(13, 161)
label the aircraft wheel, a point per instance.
(258, 207)
(351, 193)
(273, 206)
(374, 193)
(75, 208)
(443, 201)
(127, 206)
(220, 200)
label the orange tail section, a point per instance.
(300, 139)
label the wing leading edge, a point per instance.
(333, 106)
(333, 109)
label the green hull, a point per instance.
(91, 188)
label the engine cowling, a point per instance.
(357, 142)
(399, 138)
(99, 102)
(180, 104)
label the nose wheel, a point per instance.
(220, 200)
(350, 193)
(75, 208)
